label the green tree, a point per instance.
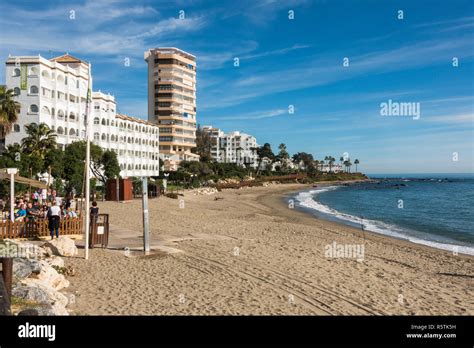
(306, 158)
(39, 140)
(356, 162)
(9, 110)
(283, 156)
(54, 159)
(14, 157)
(330, 160)
(262, 152)
(74, 158)
(203, 145)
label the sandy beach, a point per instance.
(248, 253)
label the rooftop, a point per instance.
(169, 50)
(135, 119)
(66, 58)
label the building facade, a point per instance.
(49, 91)
(234, 147)
(172, 103)
(54, 92)
(135, 141)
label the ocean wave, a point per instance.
(306, 199)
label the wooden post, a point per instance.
(117, 189)
(7, 266)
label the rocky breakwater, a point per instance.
(39, 276)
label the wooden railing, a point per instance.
(38, 228)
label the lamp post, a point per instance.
(146, 220)
(12, 172)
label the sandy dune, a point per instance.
(250, 254)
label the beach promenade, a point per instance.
(249, 253)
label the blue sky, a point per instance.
(285, 62)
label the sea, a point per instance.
(436, 210)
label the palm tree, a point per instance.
(331, 162)
(9, 110)
(348, 165)
(40, 139)
(356, 162)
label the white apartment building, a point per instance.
(49, 91)
(233, 147)
(135, 141)
(54, 92)
(172, 103)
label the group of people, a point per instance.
(44, 204)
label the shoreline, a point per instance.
(340, 225)
(310, 212)
(246, 253)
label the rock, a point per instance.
(46, 310)
(22, 268)
(55, 261)
(205, 191)
(40, 293)
(48, 276)
(28, 312)
(31, 294)
(63, 246)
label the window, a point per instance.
(33, 108)
(60, 130)
(96, 107)
(33, 71)
(45, 110)
(33, 90)
(16, 128)
(16, 72)
(96, 120)
(103, 137)
(103, 121)
(72, 132)
(16, 91)
(96, 136)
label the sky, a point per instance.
(291, 56)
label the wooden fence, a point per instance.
(38, 228)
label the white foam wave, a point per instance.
(305, 199)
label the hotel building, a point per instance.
(233, 147)
(54, 92)
(172, 103)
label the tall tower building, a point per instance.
(172, 103)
